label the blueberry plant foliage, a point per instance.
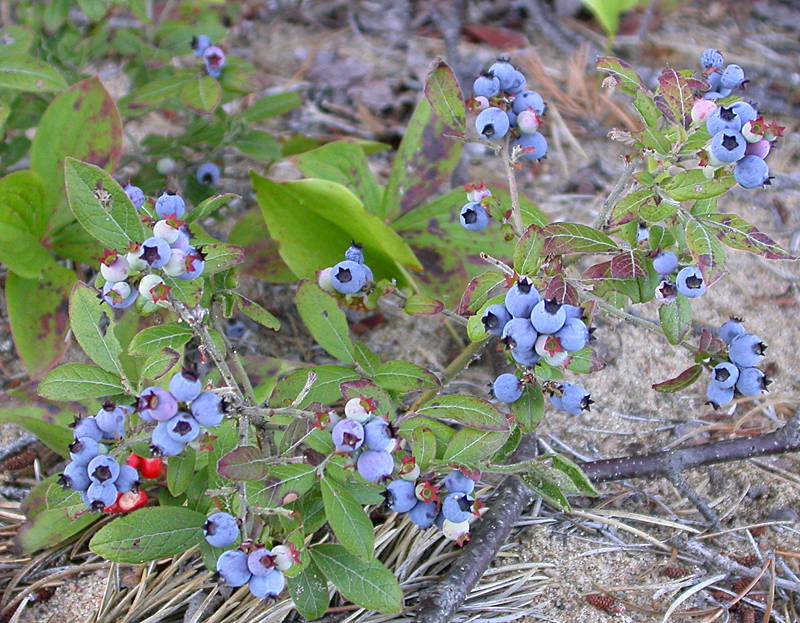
(276, 482)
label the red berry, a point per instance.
(150, 469)
(114, 508)
(134, 460)
(130, 501)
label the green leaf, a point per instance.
(258, 145)
(271, 106)
(469, 446)
(180, 470)
(623, 74)
(445, 96)
(82, 122)
(349, 522)
(367, 361)
(325, 321)
(219, 257)
(345, 163)
(22, 253)
(529, 409)
(208, 206)
(101, 206)
(676, 319)
(244, 463)
(528, 252)
(255, 312)
(478, 291)
(187, 292)
(538, 482)
(294, 478)
(155, 93)
(685, 379)
(314, 221)
(40, 422)
(693, 185)
(421, 305)
(157, 365)
(706, 249)
(37, 312)
(325, 389)
(92, 324)
(365, 583)
(77, 381)
(423, 163)
(17, 40)
(565, 238)
(423, 447)
(21, 72)
(149, 534)
(309, 591)
(154, 339)
(403, 376)
(736, 233)
(467, 410)
(202, 95)
(575, 474)
(23, 204)
(627, 209)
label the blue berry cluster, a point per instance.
(369, 440)
(179, 413)
(739, 135)
(506, 106)
(252, 564)
(451, 513)
(99, 477)
(213, 57)
(475, 214)
(349, 276)
(167, 250)
(688, 281)
(738, 374)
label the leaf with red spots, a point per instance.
(82, 122)
(37, 310)
(478, 291)
(736, 233)
(624, 76)
(445, 96)
(675, 96)
(685, 379)
(565, 238)
(561, 291)
(627, 265)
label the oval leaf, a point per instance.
(325, 321)
(347, 519)
(76, 381)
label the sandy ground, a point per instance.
(373, 69)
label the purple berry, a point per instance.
(101, 495)
(348, 435)
(161, 442)
(207, 409)
(665, 263)
(378, 435)
(423, 514)
(492, 123)
(183, 428)
(76, 476)
(267, 586)
(127, 480)
(375, 465)
(232, 567)
(400, 496)
(457, 507)
(170, 205)
(521, 298)
(83, 450)
(494, 319)
(157, 404)
(457, 482)
(746, 350)
(221, 530)
(507, 388)
(103, 468)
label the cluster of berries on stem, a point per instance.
(737, 374)
(350, 276)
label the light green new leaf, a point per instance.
(325, 321)
(27, 73)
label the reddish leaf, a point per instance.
(598, 271)
(496, 36)
(477, 292)
(627, 265)
(735, 232)
(675, 97)
(682, 381)
(561, 291)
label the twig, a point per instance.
(613, 197)
(516, 213)
(679, 482)
(470, 353)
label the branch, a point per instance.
(516, 212)
(613, 197)
(447, 596)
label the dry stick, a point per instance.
(516, 213)
(446, 597)
(613, 197)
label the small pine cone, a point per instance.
(747, 615)
(674, 572)
(748, 561)
(606, 603)
(19, 461)
(721, 596)
(741, 585)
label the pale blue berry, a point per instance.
(221, 530)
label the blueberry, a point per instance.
(494, 319)
(348, 277)
(157, 404)
(127, 480)
(185, 386)
(221, 530)
(718, 94)
(183, 428)
(518, 84)
(642, 233)
(161, 442)
(521, 298)
(728, 146)
(746, 350)
(507, 388)
(512, 118)
(101, 495)
(378, 436)
(119, 295)
(136, 196)
(103, 468)
(457, 482)
(751, 172)
(730, 329)
(486, 85)
(207, 409)
(751, 382)
(193, 265)
(182, 241)
(155, 252)
(665, 263)
(457, 507)
(573, 400)
(528, 100)
(439, 521)
(690, 282)
(732, 77)
(725, 375)
(760, 149)
(423, 514)
(504, 72)
(267, 586)
(110, 420)
(527, 358)
(87, 427)
(374, 465)
(400, 496)
(519, 334)
(574, 335)
(712, 58)
(532, 146)
(474, 217)
(200, 44)
(260, 561)
(232, 567)
(355, 253)
(76, 476)
(492, 123)
(214, 59)
(723, 118)
(745, 112)
(718, 396)
(208, 174)
(348, 436)
(573, 311)
(83, 450)
(548, 316)
(528, 122)
(170, 205)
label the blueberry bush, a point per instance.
(176, 446)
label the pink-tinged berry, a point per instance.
(150, 287)
(702, 109)
(156, 404)
(113, 266)
(214, 59)
(167, 229)
(528, 122)
(760, 149)
(324, 279)
(135, 263)
(119, 295)
(177, 263)
(476, 193)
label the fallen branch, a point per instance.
(513, 497)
